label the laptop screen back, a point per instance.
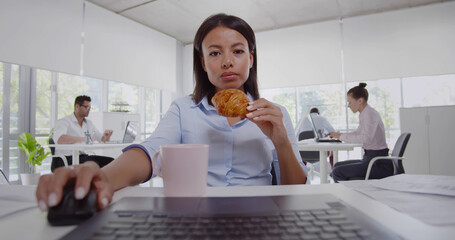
(130, 132)
(316, 134)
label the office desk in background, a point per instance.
(30, 223)
(323, 148)
(75, 148)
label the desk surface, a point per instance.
(89, 146)
(326, 146)
(35, 223)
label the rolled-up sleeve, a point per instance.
(61, 127)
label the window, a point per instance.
(123, 97)
(43, 114)
(329, 99)
(14, 165)
(429, 91)
(71, 86)
(283, 96)
(152, 110)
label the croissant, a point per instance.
(231, 103)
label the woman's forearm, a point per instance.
(291, 171)
(131, 168)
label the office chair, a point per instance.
(57, 159)
(310, 157)
(396, 156)
(3, 178)
(274, 181)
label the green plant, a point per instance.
(33, 150)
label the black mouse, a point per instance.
(71, 211)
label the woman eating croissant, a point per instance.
(246, 133)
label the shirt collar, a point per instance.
(74, 119)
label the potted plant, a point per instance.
(35, 155)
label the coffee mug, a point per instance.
(183, 169)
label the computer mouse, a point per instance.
(71, 211)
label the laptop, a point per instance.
(315, 216)
(319, 137)
(130, 133)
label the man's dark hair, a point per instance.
(314, 110)
(81, 99)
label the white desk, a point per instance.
(32, 224)
(323, 148)
(75, 148)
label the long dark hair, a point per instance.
(359, 92)
(203, 86)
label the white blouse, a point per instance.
(370, 133)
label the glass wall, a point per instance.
(329, 99)
(64, 88)
(14, 165)
(152, 111)
(71, 86)
(429, 91)
(123, 97)
(386, 96)
(43, 114)
(285, 97)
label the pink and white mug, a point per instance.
(183, 169)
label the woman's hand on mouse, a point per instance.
(85, 176)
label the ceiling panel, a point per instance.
(181, 18)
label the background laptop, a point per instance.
(130, 133)
(318, 137)
(321, 216)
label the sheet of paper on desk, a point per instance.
(13, 199)
(432, 184)
(433, 209)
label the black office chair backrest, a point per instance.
(306, 135)
(400, 145)
(308, 156)
(51, 141)
(398, 151)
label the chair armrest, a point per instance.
(63, 157)
(370, 165)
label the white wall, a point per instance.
(429, 150)
(118, 49)
(44, 34)
(303, 55)
(79, 37)
(411, 42)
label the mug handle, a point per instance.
(155, 164)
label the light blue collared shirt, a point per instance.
(238, 155)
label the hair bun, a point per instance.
(362, 85)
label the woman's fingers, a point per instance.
(50, 187)
(262, 107)
(104, 192)
(42, 192)
(85, 174)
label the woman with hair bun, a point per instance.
(370, 133)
